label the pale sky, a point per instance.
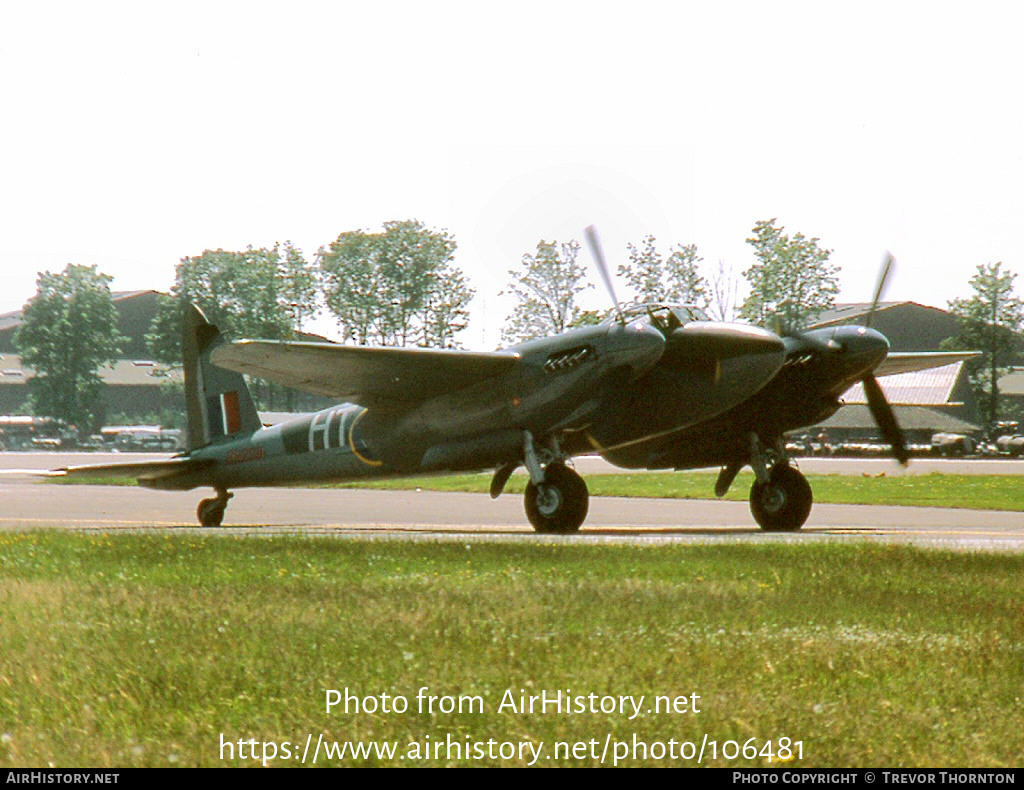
(133, 134)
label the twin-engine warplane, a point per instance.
(654, 386)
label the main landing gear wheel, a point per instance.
(784, 502)
(558, 506)
(211, 511)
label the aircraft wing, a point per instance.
(365, 375)
(909, 361)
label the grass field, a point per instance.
(979, 492)
(147, 650)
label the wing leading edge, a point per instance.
(910, 361)
(363, 374)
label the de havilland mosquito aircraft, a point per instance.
(654, 386)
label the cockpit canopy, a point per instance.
(665, 317)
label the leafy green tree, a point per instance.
(546, 287)
(398, 287)
(258, 292)
(253, 293)
(792, 282)
(991, 321)
(445, 310)
(352, 285)
(676, 279)
(685, 283)
(300, 286)
(588, 318)
(164, 336)
(68, 332)
(644, 270)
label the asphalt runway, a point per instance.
(595, 465)
(425, 515)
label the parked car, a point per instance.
(950, 444)
(1011, 444)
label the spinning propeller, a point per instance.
(644, 345)
(594, 242)
(884, 416)
(879, 407)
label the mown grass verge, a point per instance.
(977, 492)
(147, 650)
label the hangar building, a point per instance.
(133, 382)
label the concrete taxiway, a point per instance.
(589, 465)
(427, 515)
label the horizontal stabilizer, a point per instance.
(365, 375)
(140, 470)
(909, 361)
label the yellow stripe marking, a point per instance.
(352, 442)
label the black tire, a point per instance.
(784, 503)
(567, 508)
(211, 512)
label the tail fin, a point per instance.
(218, 401)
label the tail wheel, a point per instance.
(784, 502)
(211, 511)
(559, 505)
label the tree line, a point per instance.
(400, 286)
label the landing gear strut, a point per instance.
(211, 511)
(556, 498)
(780, 497)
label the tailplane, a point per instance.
(218, 401)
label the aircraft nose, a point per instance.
(732, 360)
(720, 344)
